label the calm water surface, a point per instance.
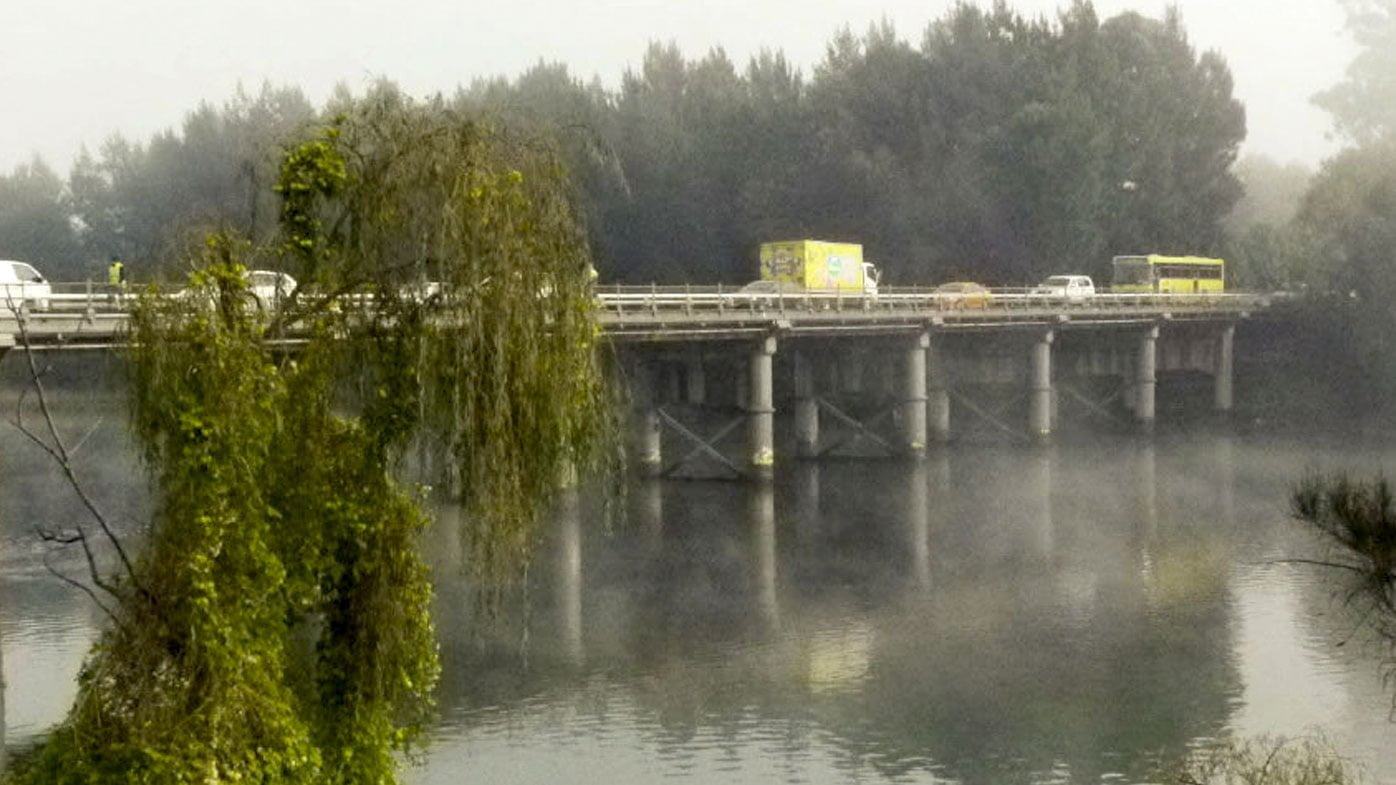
(994, 615)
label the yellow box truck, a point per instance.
(819, 266)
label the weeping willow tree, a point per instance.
(274, 626)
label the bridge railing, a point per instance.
(621, 300)
(652, 300)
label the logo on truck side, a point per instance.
(782, 264)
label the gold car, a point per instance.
(962, 294)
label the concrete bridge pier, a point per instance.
(695, 383)
(938, 393)
(806, 407)
(761, 410)
(914, 398)
(645, 426)
(1040, 388)
(7, 342)
(1146, 379)
(1224, 378)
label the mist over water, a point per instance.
(996, 614)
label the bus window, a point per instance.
(1132, 271)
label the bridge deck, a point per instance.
(650, 314)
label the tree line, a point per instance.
(999, 148)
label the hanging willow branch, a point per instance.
(443, 288)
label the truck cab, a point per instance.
(870, 278)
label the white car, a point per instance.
(21, 285)
(1072, 288)
(270, 288)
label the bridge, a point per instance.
(884, 372)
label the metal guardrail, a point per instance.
(91, 297)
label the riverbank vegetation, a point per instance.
(1267, 761)
(274, 625)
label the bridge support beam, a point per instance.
(1040, 388)
(1225, 358)
(1146, 379)
(761, 410)
(806, 407)
(938, 393)
(645, 425)
(914, 398)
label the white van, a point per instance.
(1073, 288)
(21, 286)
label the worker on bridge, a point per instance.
(116, 278)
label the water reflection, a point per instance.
(761, 520)
(918, 523)
(569, 575)
(989, 615)
(1035, 652)
(806, 506)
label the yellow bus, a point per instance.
(1168, 274)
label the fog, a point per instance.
(77, 72)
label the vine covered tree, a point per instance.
(274, 627)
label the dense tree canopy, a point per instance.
(35, 222)
(993, 146)
(1363, 105)
(132, 200)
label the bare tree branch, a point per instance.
(60, 453)
(80, 586)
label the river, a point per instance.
(996, 614)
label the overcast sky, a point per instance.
(75, 71)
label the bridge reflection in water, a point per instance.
(989, 614)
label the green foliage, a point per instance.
(276, 625)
